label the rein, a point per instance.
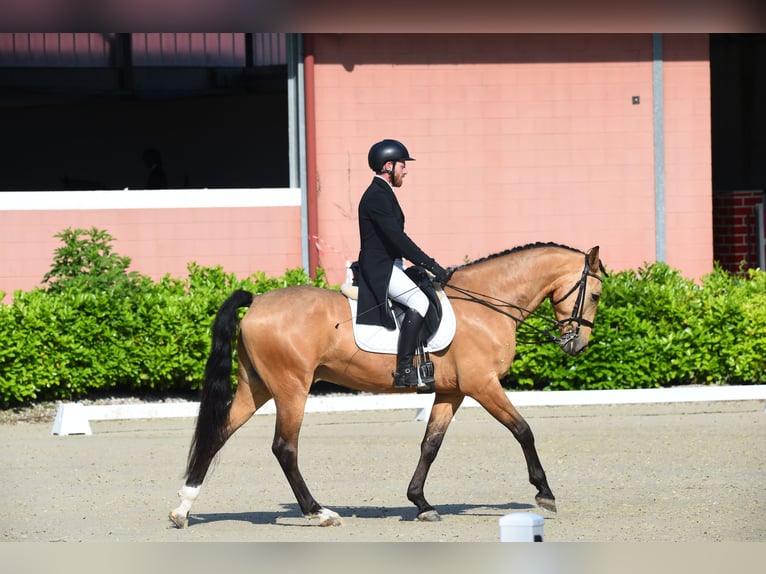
(549, 335)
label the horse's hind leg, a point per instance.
(290, 412)
(442, 414)
(250, 395)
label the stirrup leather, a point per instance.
(426, 380)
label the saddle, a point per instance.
(438, 327)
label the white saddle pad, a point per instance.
(377, 339)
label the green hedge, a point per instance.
(94, 327)
(654, 328)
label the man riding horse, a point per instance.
(383, 246)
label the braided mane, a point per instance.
(517, 249)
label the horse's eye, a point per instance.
(595, 297)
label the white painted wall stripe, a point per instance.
(148, 199)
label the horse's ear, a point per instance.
(593, 260)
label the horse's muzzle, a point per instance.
(574, 346)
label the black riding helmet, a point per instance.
(387, 150)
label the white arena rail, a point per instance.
(74, 418)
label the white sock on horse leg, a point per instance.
(187, 494)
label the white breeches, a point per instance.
(403, 290)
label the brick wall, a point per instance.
(734, 228)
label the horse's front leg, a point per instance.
(496, 402)
(442, 412)
(285, 448)
(537, 478)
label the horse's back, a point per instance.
(299, 301)
(300, 310)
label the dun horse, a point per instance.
(289, 338)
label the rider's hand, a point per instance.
(442, 275)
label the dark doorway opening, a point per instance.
(738, 124)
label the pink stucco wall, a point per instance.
(518, 138)
(688, 150)
(243, 240)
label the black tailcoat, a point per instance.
(383, 240)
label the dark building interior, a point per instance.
(80, 128)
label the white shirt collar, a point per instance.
(385, 181)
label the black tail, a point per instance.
(210, 432)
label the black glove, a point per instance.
(441, 275)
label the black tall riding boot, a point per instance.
(406, 376)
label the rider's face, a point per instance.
(400, 170)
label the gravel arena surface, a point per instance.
(685, 472)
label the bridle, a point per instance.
(579, 306)
(551, 334)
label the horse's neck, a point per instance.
(523, 281)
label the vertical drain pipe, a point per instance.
(297, 134)
(658, 116)
(310, 155)
(300, 87)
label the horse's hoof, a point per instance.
(328, 517)
(179, 521)
(429, 516)
(331, 521)
(545, 503)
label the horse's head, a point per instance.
(575, 302)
